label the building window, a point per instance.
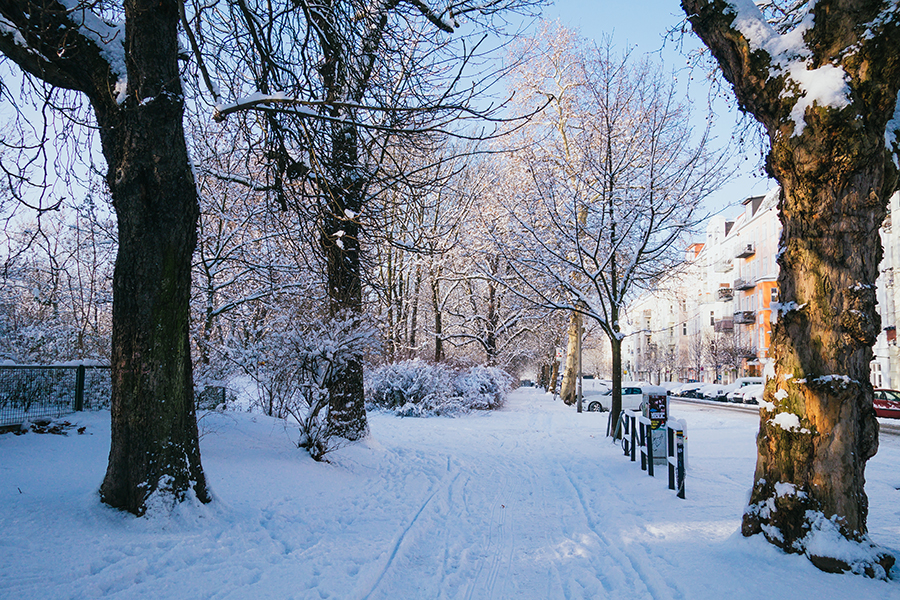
(684, 328)
(774, 297)
(712, 318)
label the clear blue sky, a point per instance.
(642, 24)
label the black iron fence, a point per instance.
(32, 392)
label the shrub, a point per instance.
(416, 389)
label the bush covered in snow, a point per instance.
(415, 388)
(293, 367)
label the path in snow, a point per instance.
(530, 502)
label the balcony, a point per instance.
(744, 284)
(725, 294)
(745, 317)
(724, 325)
(745, 250)
(723, 265)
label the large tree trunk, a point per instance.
(570, 374)
(341, 247)
(154, 449)
(818, 425)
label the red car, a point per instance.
(887, 403)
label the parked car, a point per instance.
(715, 391)
(739, 384)
(728, 392)
(751, 394)
(670, 385)
(736, 395)
(686, 389)
(887, 404)
(708, 391)
(632, 397)
(595, 385)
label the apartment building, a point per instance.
(712, 319)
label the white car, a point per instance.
(714, 391)
(752, 394)
(708, 391)
(736, 395)
(632, 397)
(686, 388)
(728, 392)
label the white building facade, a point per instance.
(711, 320)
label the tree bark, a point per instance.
(822, 349)
(570, 374)
(154, 450)
(155, 445)
(615, 350)
(817, 423)
(438, 319)
(554, 375)
(341, 247)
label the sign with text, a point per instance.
(657, 410)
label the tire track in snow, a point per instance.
(504, 546)
(651, 579)
(403, 534)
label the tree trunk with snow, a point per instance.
(154, 449)
(343, 267)
(570, 374)
(826, 103)
(554, 375)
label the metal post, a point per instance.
(649, 440)
(633, 437)
(79, 388)
(641, 439)
(679, 449)
(670, 452)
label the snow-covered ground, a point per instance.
(530, 502)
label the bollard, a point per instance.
(79, 388)
(675, 458)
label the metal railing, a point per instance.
(33, 392)
(636, 437)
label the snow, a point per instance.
(529, 502)
(259, 98)
(825, 85)
(788, 422)
(109, 38)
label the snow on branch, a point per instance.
(108, 37)
(256, 99)
(791, 58)
(73, 48)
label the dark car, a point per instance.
(887, 403)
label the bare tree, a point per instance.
(346, 90)
(613, 186)
(56, 285)
(695, 355)
(822, 78)
(127, 68)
